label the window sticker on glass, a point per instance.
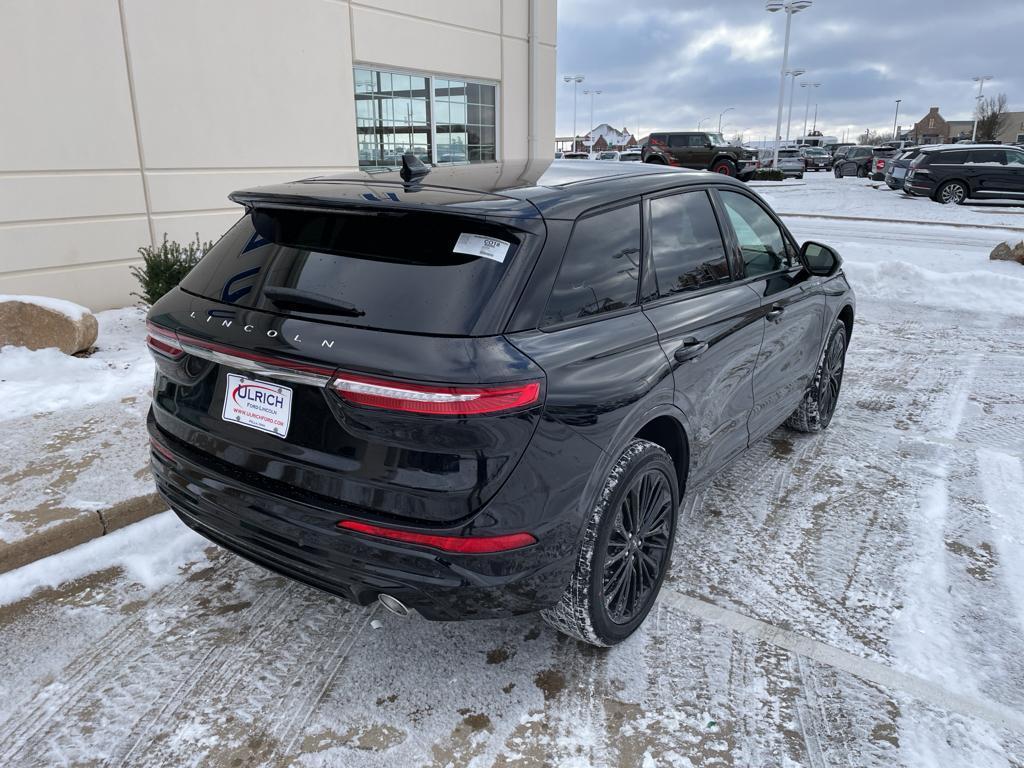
(478, 245)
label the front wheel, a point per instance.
(724, 167)
(952, 193)
(626, 550)
(815, 411)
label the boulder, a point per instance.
(38, 322)
(1006, 252)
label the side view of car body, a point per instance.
(954, 174)
(897, 166)
(700, 150)
(483, 391)
(791, 162)
(855, 161)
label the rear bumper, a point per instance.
(302, 541)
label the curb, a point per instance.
(66, 535)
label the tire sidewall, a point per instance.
(725, 167)
(644, 456)
(838, 328)
(945, 186)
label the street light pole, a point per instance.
(815, 126)
(790, 7)
(591, 93)
(795, 73)
(810, 87)
(727, 109)
(575, 80)
(701, 122)
(894, 119)
(980, 80)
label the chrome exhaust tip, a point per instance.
(394, 605)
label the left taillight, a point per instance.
(163, 342)
(434, 400)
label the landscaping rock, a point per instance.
(38, 322)
(1006, 252)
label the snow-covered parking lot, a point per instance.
(854, 597)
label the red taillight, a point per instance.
(879, 164)
(166, 454)
(441, 401)
(163, 342)
(463, 545)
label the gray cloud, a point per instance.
(665, 64)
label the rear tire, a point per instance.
(655, 161)
(862, 173)
(626, 550)
(725, 167)
(952, 193)
(819, 404)
(838, 171)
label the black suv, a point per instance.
(954, 174)
(483, 392)
(701, 151)
(855, 161)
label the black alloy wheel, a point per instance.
(831, 379)
(637, 547)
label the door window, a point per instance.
(760, 239)
(676, 140)
(601, 268)
(987, 157)
(686, 244)
(698, 140)
(1015, 158)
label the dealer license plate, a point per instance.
(258, 404)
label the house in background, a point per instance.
(934, 129)
(605, 136)
(123, 120)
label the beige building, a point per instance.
(122, 120)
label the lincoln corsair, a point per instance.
(482, 390)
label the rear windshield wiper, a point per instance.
(293, 296)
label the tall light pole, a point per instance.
(591, 93)
(980, 80)
(794, 73)
(810, 87)
(701, 122)
(727, 109)
(894, 119)
(575, 80)
(814, 127)
(790, 7)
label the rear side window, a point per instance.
(956, 157)
(988, 157)
(686, 244)
(600, 270)
(678, 140)
(388, 270)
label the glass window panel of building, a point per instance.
(395, 115)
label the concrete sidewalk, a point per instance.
(72, 476)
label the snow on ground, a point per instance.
(847, 598)
(46, 380)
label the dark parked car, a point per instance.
(953, 175)
(896, 168)
(838, 150)
(815, 158)
(854, 162)
(701, 151)
(475, 400)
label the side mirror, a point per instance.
(820, 259)
(709, 145)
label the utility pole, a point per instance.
(790, 7)
(575, 80)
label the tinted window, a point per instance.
(678, 140)
(990, 156)
(760, 239)
(599, 272)
(398, 271)
(1015, 158)
(698, 140)
(955, 157)
(686, 244)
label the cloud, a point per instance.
(666, 64)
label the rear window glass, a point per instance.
(956, 157)
(600, 270)
(393, 271)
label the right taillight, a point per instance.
(434, 400)
(163, 342)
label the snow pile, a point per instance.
(972, 290)
(150, 552)
(67, 308)
(45, 380)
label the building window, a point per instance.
(439, 120)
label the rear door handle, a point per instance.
(691, 348)
(775, 313)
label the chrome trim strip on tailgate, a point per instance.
(256, 367)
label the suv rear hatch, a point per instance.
(359, 330)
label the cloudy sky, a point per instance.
(665, 64)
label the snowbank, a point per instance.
(45, 380)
